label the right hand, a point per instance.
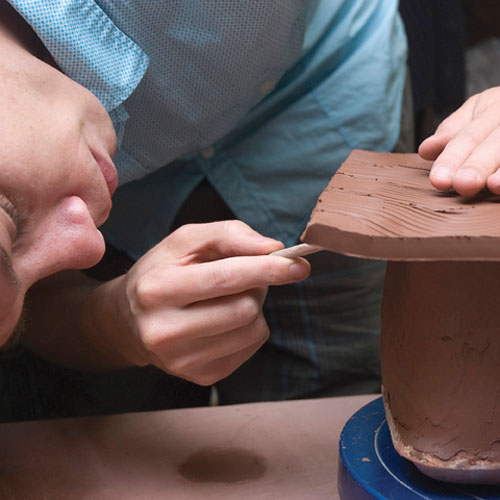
(193, 304)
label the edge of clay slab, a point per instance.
(402, 249)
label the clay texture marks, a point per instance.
(382, 205)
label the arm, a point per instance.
(466, 146)
(192, 306)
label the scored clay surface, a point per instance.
(382, 206)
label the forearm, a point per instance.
(74, 321)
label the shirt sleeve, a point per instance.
(87, 46)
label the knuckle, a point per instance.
(181, 367)
(156, 336)
(234, 227)
(182, 236)
(445, 128)
(260, 334)
(207, 380)
(217, 372)
(144, 292)
(190, 369)
(247, 309)
(184, 231)
(276, 272)
(234, 224)
(465, 142)
(223, 277)
(150, 339)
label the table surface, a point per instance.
(279, 450)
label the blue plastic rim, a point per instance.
(370, 468)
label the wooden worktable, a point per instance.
(286, 450)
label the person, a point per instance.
(228, 110)
(56, 182)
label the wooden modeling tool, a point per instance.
(300, 250)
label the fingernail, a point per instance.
(298, 270)
(467, 174)
(441, 172)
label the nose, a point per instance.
(66, 238)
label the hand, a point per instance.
(193, 304)
(466, 147)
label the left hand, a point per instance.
(466, 147)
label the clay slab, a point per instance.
(382, 206)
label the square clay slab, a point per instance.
(383, 206)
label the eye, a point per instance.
(10, 209)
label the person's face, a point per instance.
(56, 181)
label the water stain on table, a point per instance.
(223, 465)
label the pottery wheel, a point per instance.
(370, 468)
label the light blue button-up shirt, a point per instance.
(264, 98)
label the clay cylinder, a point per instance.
(440, 353)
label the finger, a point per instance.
(182, 285)
(203, 319)
(481, 164)
(456, 153)
(197, 356)
(432, 147)
(220, 368)
(493, 182)
(207, 242)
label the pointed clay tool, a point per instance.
(298, 251)
(440, 333)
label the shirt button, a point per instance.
(267, 86)
(208, 152)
